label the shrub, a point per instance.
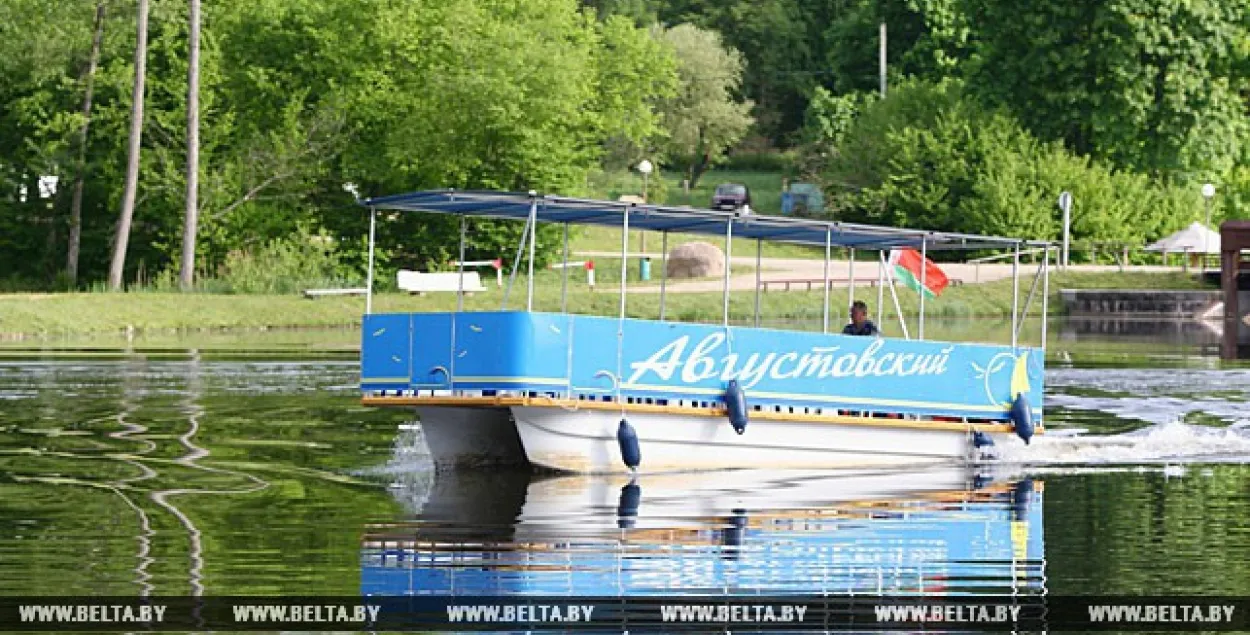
(285, 265)
(927, 157)
(759, 161)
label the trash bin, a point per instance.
(644, 269)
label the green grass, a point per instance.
(87, 313)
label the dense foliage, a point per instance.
(1129, 104)
(299, 99)
(930, 156)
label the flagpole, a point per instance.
(1015, 291)
(851, 276)
(880, 288)
(825, 311)
(924, 269)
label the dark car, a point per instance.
(731, 196)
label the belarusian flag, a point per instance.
(906, 264)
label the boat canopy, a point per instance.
(577, 211)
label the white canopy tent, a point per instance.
(1195, 239)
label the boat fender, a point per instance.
(628, 440)
(982, 440)
(736, 529)
(1022, 417)
(1021, 496)
(736, 405)
(627, 508)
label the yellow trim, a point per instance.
(550, 402)
(902, 403)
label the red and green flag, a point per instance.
(907, 264)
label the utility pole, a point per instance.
(881, 60)
(1065, 204)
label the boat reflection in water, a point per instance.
(740, 532)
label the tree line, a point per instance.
(994, 107)
(133, 146)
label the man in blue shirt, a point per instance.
(860, 324)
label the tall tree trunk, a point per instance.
(75, 209)
(190, 220)
(701, 160)
(117, 268)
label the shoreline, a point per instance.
(50, 315)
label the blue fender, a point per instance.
(736, 529)
(1022, 418)
(1021, 496)
(627, 507)
(628, 440)
(736, 404)
(981, 440)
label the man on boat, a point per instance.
(860, 324)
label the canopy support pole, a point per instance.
(464, 222)
(564, 274)
(824, 328)
(924, 269)
(620, 324)
(729, 250)
(529, 295)
(516, 262)
(1028, 300)
(850, 289)
(880, 287)
(624, 258)
(664, 271)
(373, 223)
(1015, 292)
(759, 259)
(1045, 294)
(898, 309)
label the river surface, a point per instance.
(233, 465)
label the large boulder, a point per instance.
(696, 260)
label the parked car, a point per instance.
(731, 196)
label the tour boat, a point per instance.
(594, 394)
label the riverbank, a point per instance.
(53, 315)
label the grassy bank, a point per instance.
(86, 313)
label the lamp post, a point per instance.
(644, 167)
(1065, 204)
(1208, 193)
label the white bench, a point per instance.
(321, 293)
(420, 283)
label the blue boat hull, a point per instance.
(814, 400)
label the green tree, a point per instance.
(1145, 84)
(783, 45)
(705, 118)
(80, 170)
(191, 215)
(135, 138)
(927, 39)
(297, 99)
(929, 156)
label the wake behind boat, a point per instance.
(592, 394)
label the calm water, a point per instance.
(245, 466)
